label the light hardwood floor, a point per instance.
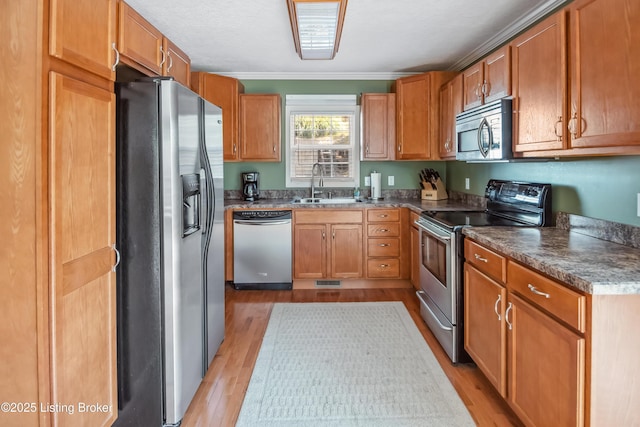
(219, 398)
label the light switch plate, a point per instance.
(467, 183)
(638, 213)
(391, 180)
(367, 180)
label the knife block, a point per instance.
(440, 193)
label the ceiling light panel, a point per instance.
(317, 26)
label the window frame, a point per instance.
(329, 105)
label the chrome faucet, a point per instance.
(313, 178)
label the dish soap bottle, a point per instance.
(356, 193)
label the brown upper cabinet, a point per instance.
(604, 71)
(488, 80)
(539, 86)
(378, 112)
(71, 21)
(418, 114)
(143, 47)
(450, 106)
(260, 127)
(225, 93)
(176, 64)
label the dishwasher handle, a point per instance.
(254, 222)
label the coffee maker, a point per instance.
(250, 189)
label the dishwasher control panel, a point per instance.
(262, 215)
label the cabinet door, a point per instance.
(177, 64)
(139, 42)
(83, 33)
(82, 232)
(310, 251)
(539, 86)
(450, 106)
(472, 79)
(225, 93)
(546, 368)
(346, 251)
(497, 75)
(260, 127)
(485, 330)
(412, 126)
(604, 71)
(378, 126)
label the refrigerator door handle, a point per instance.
(204, 201)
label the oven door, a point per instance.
(438, 254)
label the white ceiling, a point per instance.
(380, 38)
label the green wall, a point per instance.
(604, 187)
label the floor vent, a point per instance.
(328, 283)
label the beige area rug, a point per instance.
(348, 364)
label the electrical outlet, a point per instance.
(638, 204)
(391, 180)
(467, 183)
(367, 181)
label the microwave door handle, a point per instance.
(484, 151)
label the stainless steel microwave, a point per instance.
(484, 133)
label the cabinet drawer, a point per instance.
(327, 216)
(485, 260)
(383, 267)
(383, 229)
(383, 247)
(383, 215)
(558, 300)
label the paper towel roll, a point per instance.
(376, 185)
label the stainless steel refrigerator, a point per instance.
(170, 232)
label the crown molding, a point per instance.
(316, 75)
(509, 32)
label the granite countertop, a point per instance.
(588, 264)
(416, 205)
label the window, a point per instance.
(322, 129)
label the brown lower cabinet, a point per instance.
(327, 243)
(558, 357)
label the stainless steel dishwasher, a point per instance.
(262, 250)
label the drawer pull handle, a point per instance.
(383, 215)
(384, 265)
(537, 292)
(506, 316)
(384, 245)
(384, 230)
(495, 307)
(479, 258)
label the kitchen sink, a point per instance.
(332, 201)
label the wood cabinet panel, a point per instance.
(322, 216)
(383, 215)
(380, 268)
(176, 64)
(539, 86)
(485, 336)
(558, 300)
(383, 247)
(346, 251)
(385, 229)
(139, 42)
(225, 93)
(310, 251)
(497, 75)
(82, 190)
(378, 126)
(450, 106)
(418, 114)
(83, 33)
(604, 70)
(546, 368)
(492, 264)
(472, 79)
(260, 127)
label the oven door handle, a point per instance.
(434, 233)
(424, 304)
